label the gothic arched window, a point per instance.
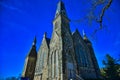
(54, 63)
(57, 66)
(52, 55)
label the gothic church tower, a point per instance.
(62, 64)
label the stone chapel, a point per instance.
(66, 56)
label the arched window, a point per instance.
(41, 62)
(70, 65)
(52, 65)
(57, 66)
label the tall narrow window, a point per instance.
(57, 68)
(52, 65)
(41, 77)
(41, 61)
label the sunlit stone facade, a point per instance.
(66, 55)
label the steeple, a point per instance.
(60, 9)
(30, 62)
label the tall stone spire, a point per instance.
(60, 9)
(30, 62)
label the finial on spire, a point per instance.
(45, 34)
(84, 35)
(83, 32)
(34, 42)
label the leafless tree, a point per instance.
(104, 5)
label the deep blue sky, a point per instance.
(21, 20)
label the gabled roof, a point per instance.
(46, 40)
(76, 34)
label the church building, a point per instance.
(66, 56)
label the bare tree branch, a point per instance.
(93, 10)
(102, 14)
(100, 21)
